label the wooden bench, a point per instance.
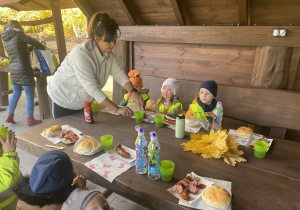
(268, 111)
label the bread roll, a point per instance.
(88, 144)
(244, 132)
(192, 121)
(150, 105)
(217, 197)
(53, 130)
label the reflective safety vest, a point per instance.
(8, 200)
(200, 114)
(144, 95)
(162, 108)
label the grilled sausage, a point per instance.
(169, 121)
(185, 195)
(122, 152)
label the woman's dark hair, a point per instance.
(23, 190)
(102, 25)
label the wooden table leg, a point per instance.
(3, 87)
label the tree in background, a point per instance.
(74, 22)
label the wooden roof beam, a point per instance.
(180, 12)
(131, 13)
(243, 12)
(33, 22)
(87, 9)
(59, 30)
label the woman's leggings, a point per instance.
(58, 111)
(29, 91)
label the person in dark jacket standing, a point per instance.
(21, 73)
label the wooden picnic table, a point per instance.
(269, 183)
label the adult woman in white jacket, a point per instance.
(85, 71)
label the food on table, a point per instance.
(53, 130)
(122, 152)
(150, 105)
(170, 121)
(192, 121)
(244, 132)
(185, 195)
(264, 139)
(70, 136)
(188, 185)
(217, 197)
(202, 186)
(133, 106)
(88, 145)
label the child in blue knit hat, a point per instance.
(202, 107)
(51, 185)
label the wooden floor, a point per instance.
(27, 160)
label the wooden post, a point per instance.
(121, 51)
(273, 67)
(59, 30)
(41, 87)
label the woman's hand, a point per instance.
(10, 144)
(125, 111)
(138, 100)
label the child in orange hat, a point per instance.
(137, 83)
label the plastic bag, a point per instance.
(193, 122)
(87, 145)
(45, 60)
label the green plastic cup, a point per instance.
(260, 149)
(139, 116)
(159, 120)
(166, 168)
(106, 141)
(95, 106)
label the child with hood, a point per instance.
(168, 102)
(137, 83)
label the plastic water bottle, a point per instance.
(141, 153)
(217, 117)
(153, 157)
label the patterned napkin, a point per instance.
(108, 166)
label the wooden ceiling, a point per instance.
(183, 12)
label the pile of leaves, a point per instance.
(215, 145)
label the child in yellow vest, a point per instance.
(168, 102)
(202, 107)
(137, 83)
(9, 171)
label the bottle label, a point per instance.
(141, 158)
(217, 119)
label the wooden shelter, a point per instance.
(251, 48)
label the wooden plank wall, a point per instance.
(228, 65)
(252, 58)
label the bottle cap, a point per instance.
(219, 103)
(141, 132)
(153, 136)
(181, 116)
